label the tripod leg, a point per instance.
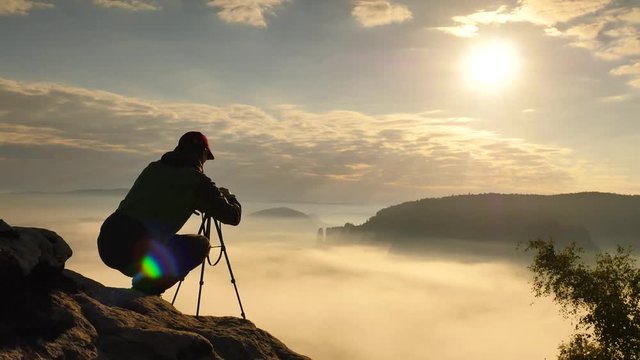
(226, 257)
(176, 294)
(206, 226)
(200, 289)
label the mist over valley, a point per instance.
(345, 301)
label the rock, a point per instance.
(26, 251)
(74, 317)
(6, 229)
(65, 315)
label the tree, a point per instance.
(603, 296)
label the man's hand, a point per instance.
(228, 196)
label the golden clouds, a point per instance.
(550, 12)
(371, 13)
(632, 71)
(24, 7)
(13, 134)
(347, 153)
(21, 7)
(540, 12)
(247, 12)
(129, 5)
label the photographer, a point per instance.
(139, 239)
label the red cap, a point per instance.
(195, 139)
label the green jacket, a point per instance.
(167, 193)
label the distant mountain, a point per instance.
(280, 212)
(281, 224)
(121, 191)
(590, 219)
(107, 192)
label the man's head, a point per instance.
(196, 143)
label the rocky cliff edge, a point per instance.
(48, 312)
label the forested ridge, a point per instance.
(580, 217)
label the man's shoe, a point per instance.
(148, 287)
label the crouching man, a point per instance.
(139, 239)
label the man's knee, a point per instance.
(194, 246)
(201, 244)
(204, 241)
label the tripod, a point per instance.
(205, 229)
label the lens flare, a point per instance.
(151, 268)
(158, 262)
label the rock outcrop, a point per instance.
(47, 312)
(26, 251)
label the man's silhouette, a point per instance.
(139, 238)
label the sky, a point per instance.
(347, 101)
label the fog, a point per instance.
(345, 302)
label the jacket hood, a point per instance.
(182, 158)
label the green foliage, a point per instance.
(603, 297)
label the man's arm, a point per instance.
(218, 202)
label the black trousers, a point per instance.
(154, 264)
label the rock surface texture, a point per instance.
(47, 312)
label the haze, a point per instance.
(346, 302)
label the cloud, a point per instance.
(611, 35)
(467, 26)
(129, 5)
(36, 135)
(248, 12)
(21, 7)
(466, 30)
(550, 12)
(540, 12)
(629, 70)
(615, 98)
(630, 15)
(371, 13)
(287, 153)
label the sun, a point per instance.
(491, 65)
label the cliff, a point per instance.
(48, 312)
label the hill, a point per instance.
(591, 219)
(280, 212)
(91, 192)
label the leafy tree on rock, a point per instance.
(604, 297)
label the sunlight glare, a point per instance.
(491, 64)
